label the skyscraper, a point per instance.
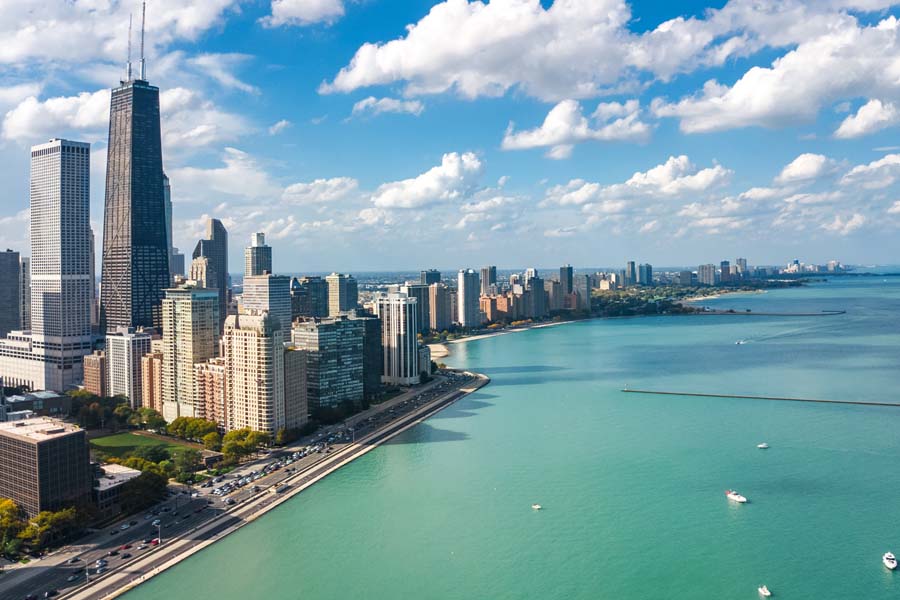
(334, 360)
(170, 243)
(257, 256)
(136, 245)
(343, 294)
(50, 357)
(398, 337)
(430, 276)
(468, 291)
(10, 292)
(630, 273)
(271, 293)
(725, 269)
(440, 305)
(488, 279)
(645, 274)
(423, 306)
(566, 283)
(25, 288)
(215, 249)
(309, 297)
(253, 349)
(124, 349)
(706, 274)
(190, 335)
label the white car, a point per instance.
(124, 526)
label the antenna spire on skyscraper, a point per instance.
(128, 64)
(143, 19)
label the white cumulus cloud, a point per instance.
(32, 120)
(877, 174)
(320, 190)
(452, 179)
(872, 116)
(565, 126)
(805, 167)
(846, 225)
(377, 106)
(304, 12)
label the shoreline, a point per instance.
(247, 512)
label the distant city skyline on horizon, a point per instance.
(648, 147)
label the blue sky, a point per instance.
(375, 134)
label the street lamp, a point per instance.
(159, 533)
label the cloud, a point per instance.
(221, 66)
(879, 173)
(673, 178)
(190, 121)
(583, 48)
(377, 106)
(80, 31)
(452, 179)
(304, 12)
(845, 226)
(797, 85)
(565, 126)
(239, 176)
(871, 117)
(187, 120)
(278, 127)
(678, 175)
(320, 190)
(805, 167)
(33, 120)
(895, 208)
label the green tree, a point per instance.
(12, 522)
(153, 453)
(187, 461)
(212, 441)
(143, 491)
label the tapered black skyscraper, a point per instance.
(135, 247)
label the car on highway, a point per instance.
(156, 523)
(73, 560)
(73, 577)
(154, 542)
(126, 556)
(124, 526)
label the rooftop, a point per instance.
(114, 475)
(38, 429)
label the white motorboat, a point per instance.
(889, 560)
(763, 446)
(735, 497)
(536, 506)
(764, 591)
(740, 342)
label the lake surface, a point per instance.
(631, 485)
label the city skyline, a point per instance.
(648, 157)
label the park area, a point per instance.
(123, 445)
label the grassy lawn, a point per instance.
(121, 444)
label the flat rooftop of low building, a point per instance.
(114, 475)
(38, 429)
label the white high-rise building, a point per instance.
(124, 349)
(257, 256)
(253, 349)
(190, 318)
(50, 356)
(271, 293)
(399, 315)
(468, 303)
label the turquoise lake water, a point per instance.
(631, 485)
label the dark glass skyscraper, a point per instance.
(135, 241)
(215, 249)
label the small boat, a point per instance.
(740, 342)
(764, 591)
(735, 497)
(536, 506)
(763, 446)
(889, 560)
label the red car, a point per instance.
(125, 547)
(154, 542)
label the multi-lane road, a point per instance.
(196, 522)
